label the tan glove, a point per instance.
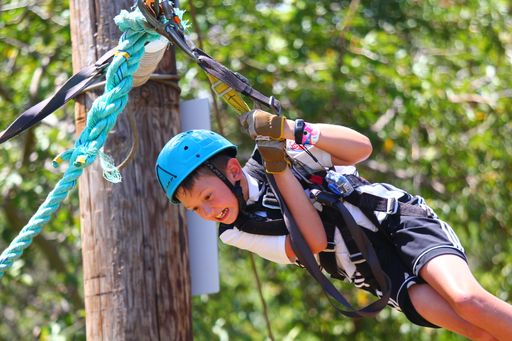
(273, 154)
(259, 122)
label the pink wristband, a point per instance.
(311, 134)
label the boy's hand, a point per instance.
(259, 122)
(273, 154)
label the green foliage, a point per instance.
(41, 298)
(428, 81)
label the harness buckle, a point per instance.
(330, 247)
(338, 184)
(392, 206)
(357, 258)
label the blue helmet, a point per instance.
(184, 153)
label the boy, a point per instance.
(430, 279)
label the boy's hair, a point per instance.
(219, 160)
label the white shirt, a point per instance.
(268, 247)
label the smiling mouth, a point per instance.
(222, 214)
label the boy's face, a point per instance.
(211, 199)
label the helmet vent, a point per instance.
(198, 155)
(185, 148)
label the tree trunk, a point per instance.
(134, 246)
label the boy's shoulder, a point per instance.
(254, 167)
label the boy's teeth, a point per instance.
(221, 215)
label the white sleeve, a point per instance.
(268, 247)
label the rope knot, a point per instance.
(135, 22)
(80, 156)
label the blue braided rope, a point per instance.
(100, 119)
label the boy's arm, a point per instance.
(306, 216)
(268, 247)
(346, 146)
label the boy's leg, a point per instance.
(429, 304)
(451, 277)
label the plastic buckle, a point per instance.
(357, 258)
(330, 247)
(392, 206)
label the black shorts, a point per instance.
(404, 244)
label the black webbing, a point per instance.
(71, 89)
(235, 81)
(364, 245)
(254, 224)
(307, 259)
(328, 258)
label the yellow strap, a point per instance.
(229, 95)
(80, 160)
(125, 54)
(57, 161)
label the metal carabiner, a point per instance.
(151, 11)
(168, 10)
(153, 6)
(154, 11)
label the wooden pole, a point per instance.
(134, 245)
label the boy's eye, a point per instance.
(208, 197)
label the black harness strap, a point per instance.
(361, 250)
(307, 259)
(332, 221)
(234, 80)
(71, 89)
(241, 85)
(368, 203)
(328, 256)
(254, 224)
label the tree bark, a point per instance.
(134, 245)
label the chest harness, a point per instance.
(330, 191)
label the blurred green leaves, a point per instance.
(428, 81)
(41, 298)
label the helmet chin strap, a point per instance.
(236, 188)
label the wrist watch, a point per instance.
(298, 132)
